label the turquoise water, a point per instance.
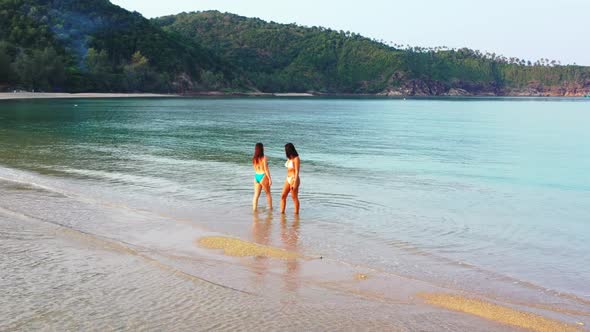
(483, 194)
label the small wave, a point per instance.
(340, 201)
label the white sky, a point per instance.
(528, 29)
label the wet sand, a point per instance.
(373, 285)
(70, 264)
(58, 278)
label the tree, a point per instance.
(136, 71)
(100, 70)
(139, 61)
(97, 62)
(211, 80)
(139, 74)
(42, 69)
(25, 70)
(6, 74)
(54, 68)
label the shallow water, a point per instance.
(479, 195)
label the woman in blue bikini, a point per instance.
(262, 179)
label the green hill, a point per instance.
(287, 57)
(93, 45)
(97, 46)
(291, 58)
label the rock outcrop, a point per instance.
(458, 92)
(415, 87)
(567, 89)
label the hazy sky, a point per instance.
(528, 29)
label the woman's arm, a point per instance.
(267, 170)
(297, 163)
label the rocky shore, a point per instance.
(533, 89)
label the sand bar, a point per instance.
(241, 248)
(498, 313)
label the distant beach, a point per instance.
(57, 95)
(221, 94)
(63, 95)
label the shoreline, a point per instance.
(221, 94)
(84, 95)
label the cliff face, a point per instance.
(533, 89)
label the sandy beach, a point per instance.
(214, 282)
(181, 284)
(55, 95)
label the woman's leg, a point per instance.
(266, 187)
(257, 190)
(284, 194)
(295, 196)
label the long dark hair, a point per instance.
(258, 153)
(290, 151)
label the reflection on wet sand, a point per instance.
(289, 237)
(290, 240)
(261, 230)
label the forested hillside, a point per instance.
(97, 46)
(278, 57)
(288, 57)
(93, 45)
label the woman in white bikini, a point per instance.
(262, 178)
(292, 183)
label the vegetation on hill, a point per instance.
(279, 57)
(288, 57)
(97, 46)
(93, 45)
